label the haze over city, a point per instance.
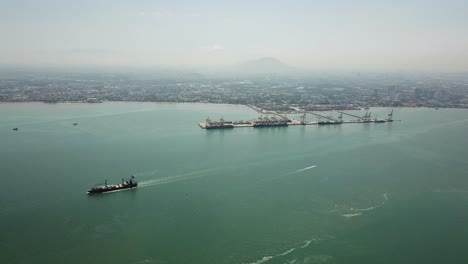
(310, 35)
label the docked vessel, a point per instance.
(270, 122)
(329, 122)
(219, 126)
(379, 120)
(222, 124)
(126, 184)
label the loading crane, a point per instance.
(303, 118)
(273, 113)
(390, 116)
(367, 117)
(349, 114)
(284, 117)
(340, 118)
(321, 116)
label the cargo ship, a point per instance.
(222, 124)
(328, 122)
(126, 184)
(270, 122)
(219, 126)
(379, 120)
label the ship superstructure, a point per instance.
(270, 122)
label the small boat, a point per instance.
(75, 124)
(126, 184)
(15, 129)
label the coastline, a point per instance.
(255, 108)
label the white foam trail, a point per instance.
(264, 259)
(385, 197)
(146, 173)
(286, 252)
(301, 170)
(267, 258)
(351, 215)
(307, 243)
(365, 209)
(176, 176)
(171, 179)
(306, 168)
(359, 210)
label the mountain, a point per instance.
(265, 65)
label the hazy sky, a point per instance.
(424, 35)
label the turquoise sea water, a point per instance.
(379, 193)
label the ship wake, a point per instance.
(360, 211)
(176, 178)
(287, 252)
(301, 170)
(267, 258)
(306, 168)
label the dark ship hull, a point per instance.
(271, 125)
(219, 126)
(324, 123)
(128, 184)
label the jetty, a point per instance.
(284, 121)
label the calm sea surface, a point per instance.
(356, 193)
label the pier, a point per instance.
(285, 121)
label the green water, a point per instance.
(379, 193)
